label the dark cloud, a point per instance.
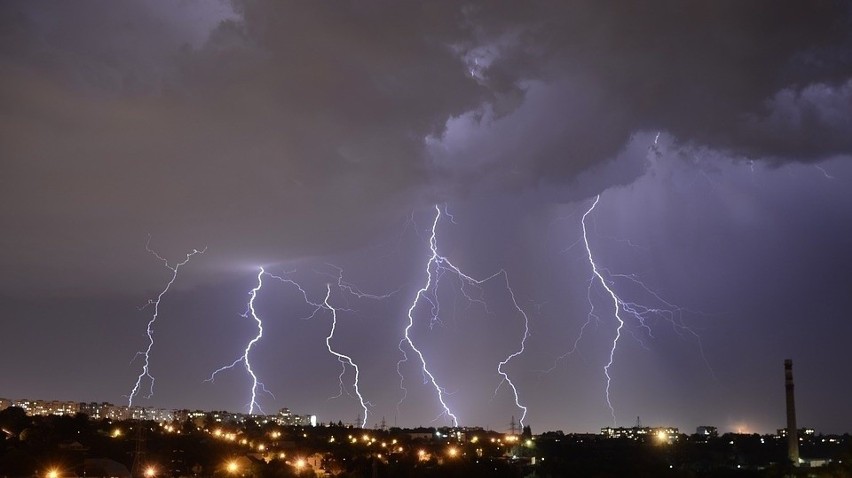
(713, 74)
(315, 124)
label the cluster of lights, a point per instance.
(228, 436)
(171, 429)
(389, 447)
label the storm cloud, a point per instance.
(337, 117)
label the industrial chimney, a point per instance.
(792, 430)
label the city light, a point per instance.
(453, 452)
(150, 472)
(52, 473)
(232, 466)
(300, 463)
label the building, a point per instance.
(286, 418)
(659, 434)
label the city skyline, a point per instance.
(569, 213)
(286, 417)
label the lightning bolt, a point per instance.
(616, 302)
(442, 265)
(146, 371)
(325, 305)
(641, 313)
(344, 359)
(244, 358)
(521, 350)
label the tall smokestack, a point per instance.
(792, 430)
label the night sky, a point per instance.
(304, 137)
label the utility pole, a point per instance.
(138, 452)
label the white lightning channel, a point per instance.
(345, 359)
(244, 358)
(407, 337)
(616, 302)
(639, 312)
(521, 350)
(325, 305)
(442, 265)
(146, 371)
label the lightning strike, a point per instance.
(436, 267)
(616, 302)
(244, 358)
(344, 359)
(641, 313)
(520, 351)
(146, 371)
(325, 305)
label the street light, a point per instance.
(150, 472)
(232, 467)
(52, 473)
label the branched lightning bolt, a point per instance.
(344, 359)
(441, 266)
(146, 372)
(616, 302)
(325, 305)
(433, 259)
(244, 358)
(514, 354)
(641, 313)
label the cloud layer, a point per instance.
(277, 131)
